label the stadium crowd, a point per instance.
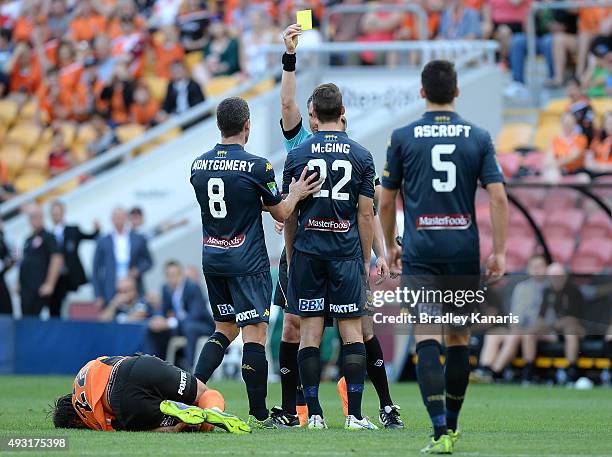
(73, 73)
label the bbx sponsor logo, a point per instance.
(343, 309)
(246, 315)
(312, 305)
(226, 309)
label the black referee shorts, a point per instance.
(141, 383)
(280, 293)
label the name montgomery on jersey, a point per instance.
(222, 165)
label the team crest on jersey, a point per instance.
(221, 153)
(224, 243)
(330, 137)
(273, 188)
(269, 166)
(327, 225)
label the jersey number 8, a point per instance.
(321, 164)
(216, 203)
(446, 166)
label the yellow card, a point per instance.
(304, 18)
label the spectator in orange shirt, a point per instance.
(24, 25)
(569, 147)
(52, 100)
(600, 159)
(145, 108)
(130, 46)
(88, 22)
(590, 21)
(118, 95)
(60, 157)
(24, 69)
(168, 49)
(124, 11)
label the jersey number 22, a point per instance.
(321, 164)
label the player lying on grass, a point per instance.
(294, 133)
(141, 393)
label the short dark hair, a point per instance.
(59, 203)
(439, 80)
(63, 413)
(136, 211)
(232, 114)
(327, 102)
(172, 263)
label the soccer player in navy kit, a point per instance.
(232, 187)
(437, 162)
(295, 133)
(329, 243)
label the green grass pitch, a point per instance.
(496, 421)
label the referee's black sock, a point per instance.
(309, 361)
(430, 376)
(457, 374)
(289, 374)
(255, 376)
(354, 367)
(211, 356)
(375, 365)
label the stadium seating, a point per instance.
(25, 134)
(564, 222)
(561, 249)
(513, 136)
(597, 225)
(518, 251)
(8, 111)
(510, 163)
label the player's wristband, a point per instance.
(289, 62)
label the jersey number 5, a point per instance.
(336, 165)
(216, 203)
(446, 166)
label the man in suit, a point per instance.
(182, 92)
(121, 253)
(184, 311)
(68, 238)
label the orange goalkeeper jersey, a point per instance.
(88, 391)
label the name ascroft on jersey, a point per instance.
(328, 225)
(224, 243)
(443, 222)
(222, 165)
(442, 130)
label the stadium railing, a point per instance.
(339, 10)
(533, 83)
(462, 52)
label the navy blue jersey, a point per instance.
(327, 221)
(438, 161)
(231, 185)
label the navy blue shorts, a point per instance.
(321, 287)
(458, 284)
(244, 299)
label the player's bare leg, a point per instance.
(255, 374)
(309, 362)
(214, 350)
(457, 374)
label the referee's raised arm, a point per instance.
(290, 114)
